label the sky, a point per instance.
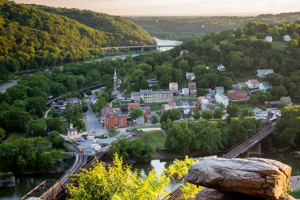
(176, 7)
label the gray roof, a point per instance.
(146, 91)
(135, 94)
(72, 129)
(262, 72)
(193, 83)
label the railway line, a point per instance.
(58, 189)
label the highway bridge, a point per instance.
(142, 47)
(242, 150)
(42, 191)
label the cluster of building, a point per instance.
(112, 118)
(147, 115)
(150, 96)
(60, 105)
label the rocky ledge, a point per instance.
(252, 178)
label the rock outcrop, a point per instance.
(262, 178)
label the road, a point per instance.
(93, 121)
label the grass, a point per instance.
(295, 194)
(153, 126)
(156, 108)
(14, 136)
(158, 139)
(185, 98)
(51, 113)
(279, 45)
(244, 104)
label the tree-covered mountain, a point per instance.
(31, 38)
(187, 28)
(121, 28)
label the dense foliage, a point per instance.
(118, 182)
(27, 154)
(205, 135)
(287, 126)
(187, 28)
(137, 148)
(119, 29)
(33, 39)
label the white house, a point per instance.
(185, 91)
(221, 68)
(221, 98)
(190, 76)
(269, 38)
(184, 52)
(287, 38)
(264, 72)
(204, 104)
(252, 83)
(264, 86)
(173, 86)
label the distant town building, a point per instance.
(71, 131)
(269, 38)
(221, 98)
(219, 89)
(193, 88)
(57, 105)
(185, 91)
(140, 120)
(132, 106)
(286, 100)
(237, 94)
(261, 73)
(184, 52)
(117, 84)
(149, 96)
(149, 117)
(287, 38)
(221, 68)
(252, 83)
(205, 105)
(173, 86)
(73, 101)
(190, 76)
(203, 26)
(115, 120)
(264, 86)
(152, 81)
(236, 86)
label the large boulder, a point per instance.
(263, 178)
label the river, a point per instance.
(5, 85)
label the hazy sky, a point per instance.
(176, 7)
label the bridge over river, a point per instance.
(42, 191)
(142, 47)
(242, 150)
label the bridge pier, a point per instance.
(244, 155)
(255, 150)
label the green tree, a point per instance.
(154, 119)
(233, 110)
(155, 87)
(52, 135)
(2, 134)
(88, 92)
(84, 107)
(172, 114)
(196, 113)
(36, 128)
(54, 124)
(218, 113)
(206, 114)
(137, 112)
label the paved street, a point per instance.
(93, 123)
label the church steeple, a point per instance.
(115, 75)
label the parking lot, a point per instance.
(264, 115)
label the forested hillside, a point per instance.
(186, 28)
(31, 38)
(122, 29)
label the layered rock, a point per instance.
(262, 178)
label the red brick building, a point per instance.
(114, 120)
(193, 88)
(132, 106)
(237, 94)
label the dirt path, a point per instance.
(46, 114)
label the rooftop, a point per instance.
(222, 95)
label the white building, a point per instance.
(204, 104)
(221, 98)
(190, 76)
(173, 86)
(184, 52)
(264, 86)
(252, 83)
(221, 68)
(287, 38)
(269, 38)
(185, 91)
(261, 73)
